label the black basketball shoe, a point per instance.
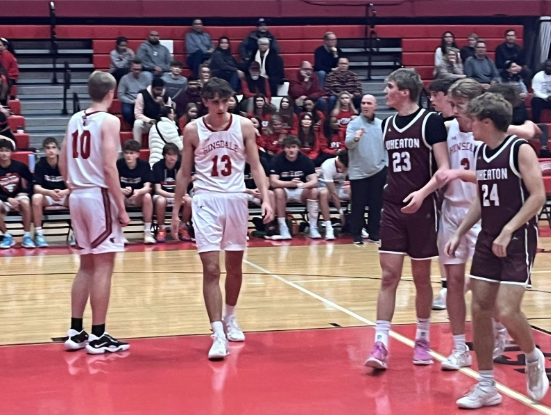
(76, 340)
(105, 344)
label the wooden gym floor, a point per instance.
(297, 288)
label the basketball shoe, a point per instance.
(148, 238)
(480, 396)
(329, 234)
(537, 382)
(314, 233)
(379, 357)
(284, 233)
(232, 329)
(105, 344)
(27, 242)
(161, 235)
(41, 241)
(7, 242)
(500, 341)
(458, 359)
(421, 353)
(76, 340)
(219, 348)
(439, 302)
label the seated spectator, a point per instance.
(121, 57)
(156, 58)
(135, 179)
(468, 50)
(164, 131)
(511, 75)
(438, 90)
(450, 67)
(164, 178)
(511, 51)
(199, 46)
(251, 189)
(261, 109)
(148, 107)
(5, 130)
(49, 187)
(480, 67)
(204, 74)
(191, 95)
(312, 140)
(304, 85)
(130, 86)
(343, 79)
(223, 65)
(317, 116)
(233, 105)
(16, 180)
(192, 113)
(4, 87)
(448, 41)
(259, 131)
(253, 83)
(8, 62)
(249, 45)
(511, 93)
(326, 57)
(274, 135)
(335, 136)
(333, 188)
(271, 64)
(541, 85)
(344, 109)
(293, 178)
(175, 83)
(288, 115)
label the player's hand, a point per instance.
(451, 246)
(256, 193)
(499, 247)
(175, 226)
(414, 202)
(134, 196)
(267, 212)
(443, 177)
(124, 219)
(57, 196)
(296, 181)
(126, 191)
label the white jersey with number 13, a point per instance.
(220, 158)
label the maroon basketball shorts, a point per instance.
(410, 234)
(516, 267)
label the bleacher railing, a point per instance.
(53, 41)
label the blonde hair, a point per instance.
(338, 108)
(99, 85)
(465, 88)
(494, 107)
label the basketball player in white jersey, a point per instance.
(459, 192)
(219, 144)
(88, 166)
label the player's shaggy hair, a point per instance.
(466, 88)
(216, 87)
(494, 107)
(99, 84)
(407, 79)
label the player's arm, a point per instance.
(144, 190)
(528, 130)
(275, 182)
(183, 177)
(332, 189)
(62, 162)
(531, 176)
(251, 149)
(110, 153)
(38, 180)
(159, 190)
(311, 181)
(471, 218)
(39, 189)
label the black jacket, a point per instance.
(248, 47)
(223, 64)
(274, 69)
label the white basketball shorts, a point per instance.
(95, 221)
(294, 194)
(340, 190)
(450, 219)
(220, 221)
(53, 202)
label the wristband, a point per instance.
(300, 185)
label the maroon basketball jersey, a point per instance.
(500, 186)
(410, 157)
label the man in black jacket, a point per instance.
(511, 51)
(326, 57)
(249, 45)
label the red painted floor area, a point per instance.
(318, 372)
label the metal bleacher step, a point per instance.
(363, 50)
(374, 64)
(21, 52)
(48, 81)
(48, 89)
(32, 107)
(59, 66)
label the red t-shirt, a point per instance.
(9, 63)
(336, 142)
(345, 117)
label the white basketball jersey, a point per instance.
(220, 158)
(461, 149)
(84, 150)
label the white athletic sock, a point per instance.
(498, 325)
(230, 310)
(218, 329)
(162, 226)
(27, 234)
(39, 231)
(328, 224)
(312, 206)
(423, 329)
(532, 356)
(459, 342)
(147, 227)
(282, 223)
(486, 379)
(382, 328)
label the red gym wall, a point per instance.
(272, 8)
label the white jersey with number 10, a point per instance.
(84, 150)
(220, 158)
(461, 149)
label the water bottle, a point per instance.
(32, 160)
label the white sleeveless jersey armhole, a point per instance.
(220, 158)
(461, 149)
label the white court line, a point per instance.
(408, 342)
(331, 280)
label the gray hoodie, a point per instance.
(368, 155)
(154, 55)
